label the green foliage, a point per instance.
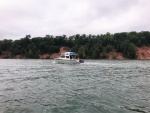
(109, 48)
(81, 52)
(131, 52)
(31, 54)
(96, 53)
(103, 55)
(87, 46)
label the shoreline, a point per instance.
(143, 53)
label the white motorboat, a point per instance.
(68, 58)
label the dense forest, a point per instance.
(87, 46)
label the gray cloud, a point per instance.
(55, 17)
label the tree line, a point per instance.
(87, 46)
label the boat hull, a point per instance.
(66, 61)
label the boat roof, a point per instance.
(69, 53)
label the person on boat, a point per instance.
(70, 57)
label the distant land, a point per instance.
(120, 46)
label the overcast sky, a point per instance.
(58, 17)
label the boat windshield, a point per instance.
(74, 57)
(67, 56)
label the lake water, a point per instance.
(96, 86)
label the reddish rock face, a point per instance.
(143, 53)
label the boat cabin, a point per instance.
(69, 55)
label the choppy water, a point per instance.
(96, 86)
